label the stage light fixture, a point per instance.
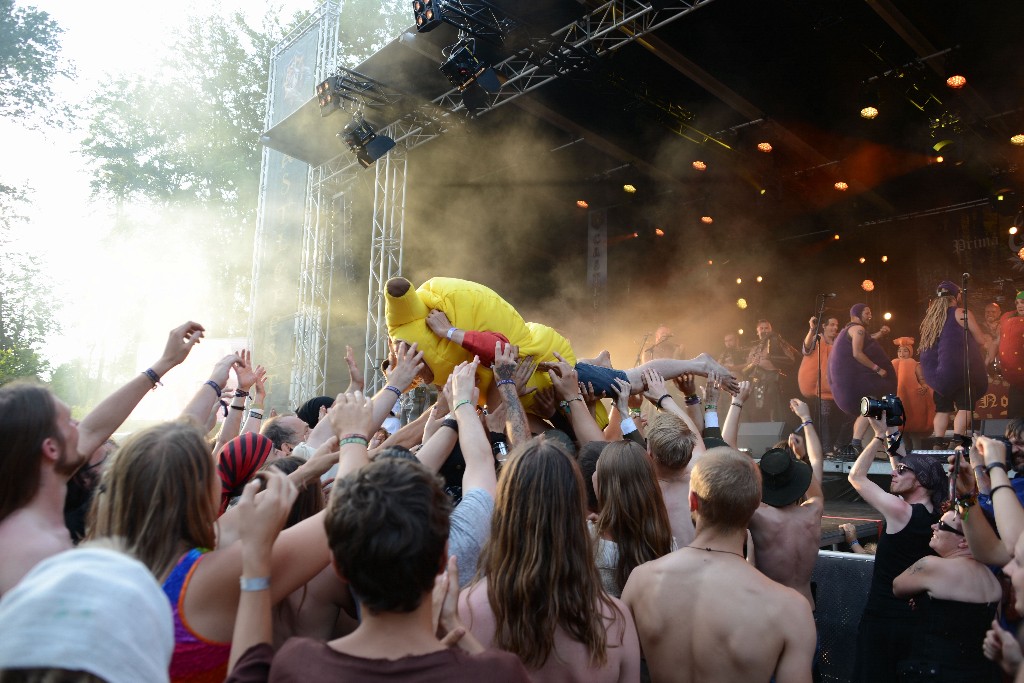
(885, 259)
(862, 259)
(887, 316)
(710, 262)
(659, 232)
(765, 147)
(1020, 254)
(701, 166)
(841, 186)
(1013, 229)
(326, 96)
(740, 331)
(956, 81)
(1017, 139)
(760, 279)
(741, 303)
(474, 79)
(582, 203)
(739, 281)
(835, 236)
(867, 286)
(364, 142)
(628, 189)
(707, 220)
(427, 14)
(868, 113)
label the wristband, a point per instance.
(450, 423)
(353, 435)
(1001, 486)
(260, 583)
(255, 414)
(710, 408)
(670, 396)
(691, 400)
(234, 407)
(398, 392)
(855, 541)
(996, 466)
(738, 405)
(153, 377)
(627, 425)
(882, 439)
(450, 332)
(241, 393)
(459, 404)
(213, 385)
(804, 424)
(502, 382)
(355, 438)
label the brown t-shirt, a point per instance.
(305, 660)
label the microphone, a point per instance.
(967, 276)
(828, 296)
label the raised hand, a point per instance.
(544, 402)
(622, 397)
(262, 517)
(351, 414)
(223, 368)
(564, 379)
(180, 341)
(408, 364)
(244, 371)
(800, 409)
(438, 322)
(524, 371)
(356, 380)
(655, 385)
(505, 363)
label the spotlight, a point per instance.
(472, 77)
(862, 259)
(956, 81)
(741, 303)
(867, 286)
(582, 203)
(939, 159)
(1017, 139)
(739, 281)
(1013, 229)
(887, 316)
(740, 331)
(707, 220)
(427, 14)
(1020, 254)
(835, 236)
(762, 191)
(868, 113)
(885, 259)
(841, 186)
(629, 189)
(711, 262)
(659, 232)
(364, 142)
(326, 98)
(760, 279)
(765, 147)
(870, 97)
(701, 166)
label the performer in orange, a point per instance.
(1011, 356)
(915, 393)
(807, 378)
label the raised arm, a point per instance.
(813, 445)
(96, 427)
(476, 448)
(1008, 510)
(566, 383)
(731, 428)
(810, 339)
(207, 396)
(262, 518)
(407, 367)
(254, 418)
(986, 547)
(656, 394)
(504, 369)
(896, 511)
(245, 373)
(351, 417)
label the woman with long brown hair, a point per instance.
(538, 593)
(633, 526)
(161, 494)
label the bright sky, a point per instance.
(67, 228)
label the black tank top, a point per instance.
(895, 553)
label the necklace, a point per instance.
(715, 550)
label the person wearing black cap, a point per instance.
(786, 528)
(910, 507)
(942, 358)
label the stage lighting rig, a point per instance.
(327, 97)
(475, 79)
(364, 141)
(427, 14)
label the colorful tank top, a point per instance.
(195, 659)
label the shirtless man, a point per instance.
(671, 444)
(702, 612)
(41, 446)
(786, 528)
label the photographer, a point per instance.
(910, 508)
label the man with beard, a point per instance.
(733, 356)
(910, 507)
(813, 366)
(857, 367)
(768, 362)
(41, 446)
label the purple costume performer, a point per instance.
(943, 364)
(852, 381)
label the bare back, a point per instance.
(708, 616)
(786, 542)
(26, 539)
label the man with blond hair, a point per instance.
(702, 612)
(674, 447)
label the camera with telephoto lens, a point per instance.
(890, 404)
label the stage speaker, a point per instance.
(994, 427)
(758, 437)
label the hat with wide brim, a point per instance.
(783, 478)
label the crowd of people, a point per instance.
(532, 524)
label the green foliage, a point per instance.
(30, 64)
(368, 26)
(26, 301)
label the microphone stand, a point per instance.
(820, 300)
(967, 355)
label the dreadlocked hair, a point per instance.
(933, 321)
